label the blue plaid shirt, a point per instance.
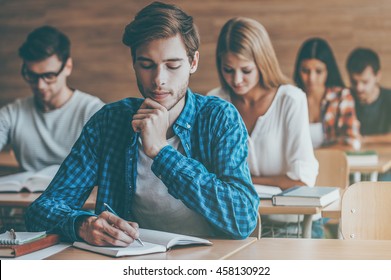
(212, 178)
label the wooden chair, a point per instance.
(333, 168)
(258, 230)
(333, 171)
(366, 211)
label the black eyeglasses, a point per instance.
(48, 77)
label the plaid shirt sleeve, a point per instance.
(224, 194)
(348, 124)
(340, 120)
(57, 209)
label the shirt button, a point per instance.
(188, 125)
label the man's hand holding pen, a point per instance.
(107, 229)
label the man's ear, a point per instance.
(378, 76)
(194, 63)
(68, 66)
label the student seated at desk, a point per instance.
(274, 112)
(174, 161)
(331, 106)
(42, 128)
(372, 101)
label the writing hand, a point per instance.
(108, 229)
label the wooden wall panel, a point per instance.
(103, 67)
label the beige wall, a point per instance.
(102, 65)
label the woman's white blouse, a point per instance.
(280, 143)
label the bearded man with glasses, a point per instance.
(42, 128)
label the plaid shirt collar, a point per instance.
(187, 118)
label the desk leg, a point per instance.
(307, 226)
(373, 177)
(356, 177)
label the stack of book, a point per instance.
(362, 158)
(15, 244)
(307, 196)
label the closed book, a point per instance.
(307, 196)
(154, 242)
(362, 158)
(266, 192)
(29, 247)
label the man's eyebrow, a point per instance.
(143, 58)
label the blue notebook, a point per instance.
(307, 196)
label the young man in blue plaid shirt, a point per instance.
(174, 161)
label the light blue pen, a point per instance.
(108, 208)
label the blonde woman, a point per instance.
(274, 112)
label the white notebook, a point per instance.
(154, 242)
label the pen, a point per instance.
(112, 211)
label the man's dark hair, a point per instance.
(361, 58)
(44, 42)
(160, 21)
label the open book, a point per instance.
(154, 242)
(28, 181)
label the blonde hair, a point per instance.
(248, 38)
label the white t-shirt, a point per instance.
(40, 139)
(154, 208)
(317, 135)
(280, 143)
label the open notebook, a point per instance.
(154, 242)
(28, 181)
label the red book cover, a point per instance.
(22, 249)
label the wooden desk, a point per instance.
(268, 208)
(384, 164)
(23, 200)
(8, 163)
(16, 203)
(333, 210)
(219, 250)
(8, 159)
(315, 249)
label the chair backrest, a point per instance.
(333, 168)
(258, 230)
(366, 211)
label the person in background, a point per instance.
(372, 101)
(274, 112)
(42, 128)
(174, 161)
(331, 106)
